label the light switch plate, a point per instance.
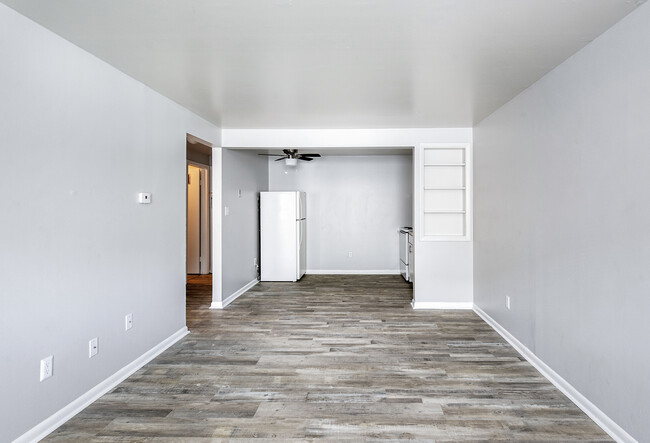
(144, 197)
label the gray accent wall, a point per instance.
(79, 141)
(562, 174)
(354, 204)
(248, 172)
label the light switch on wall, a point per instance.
(144, 197)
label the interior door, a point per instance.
(205, 211)
(193, 220)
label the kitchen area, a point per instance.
(367, 185)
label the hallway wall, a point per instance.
(80, 140)
(245, 172)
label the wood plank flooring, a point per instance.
(340, 358)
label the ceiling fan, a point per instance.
(291, 156)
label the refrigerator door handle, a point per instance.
(299, 206)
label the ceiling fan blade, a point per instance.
(289, 152)
(310, 155)
(282, 158)
(307, 159)
(273, 155)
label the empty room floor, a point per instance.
(342, 358)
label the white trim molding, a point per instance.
(353, 271)
(57, 419)
(234, 296)
(440, 305)
(599, 417)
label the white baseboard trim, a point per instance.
(57, 419)
(599, 417)
(353, 271)
(231, 298)
(440, 305)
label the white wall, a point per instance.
(354, 204)
(561, 220)
(247, 172)
(77, 253)
(443, 269)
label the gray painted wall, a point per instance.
(354, 204)
(248, 172)
(561, 219)
(77, 252)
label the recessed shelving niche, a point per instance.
(445, 196)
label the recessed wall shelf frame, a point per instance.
(445, 192)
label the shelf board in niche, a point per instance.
(459, 188)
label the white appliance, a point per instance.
(283, 235)
(405, 253)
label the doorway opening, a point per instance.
(199, 222)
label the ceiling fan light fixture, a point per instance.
(291, 161)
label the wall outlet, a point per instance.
(350, 254)
(128, 321)
(239, 193)
(226, 210)
(47, 367)
(92, 348)
(508, 302)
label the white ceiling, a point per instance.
(332, 63)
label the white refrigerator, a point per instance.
(283, 236)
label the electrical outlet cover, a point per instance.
(47, 367)
(92, 348)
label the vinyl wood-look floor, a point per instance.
(342, 358)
